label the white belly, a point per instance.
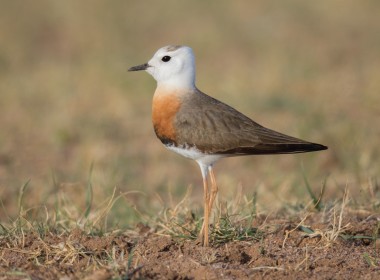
(195, 154)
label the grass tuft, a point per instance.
(232, 222)
(226, 230)
(336, 230)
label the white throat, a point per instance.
(178, 82)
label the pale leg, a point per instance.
(209, 198)
(204, 230)
(214, 189)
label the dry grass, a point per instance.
(81, 243)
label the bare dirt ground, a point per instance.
(308, 248)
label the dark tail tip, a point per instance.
(317, 147)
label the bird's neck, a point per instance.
(178, 89)
(183, 81)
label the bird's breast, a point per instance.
(164, 110)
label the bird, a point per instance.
(202, 128)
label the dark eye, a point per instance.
(166, 58)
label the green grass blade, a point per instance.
(89, 193)
(21, 197)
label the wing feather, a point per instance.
(214, 127)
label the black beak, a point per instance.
(139, 67)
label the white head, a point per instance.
(171, 66)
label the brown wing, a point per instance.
(217, 128)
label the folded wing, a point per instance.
(216, 128)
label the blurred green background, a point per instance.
(310, 69)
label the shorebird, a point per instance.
(197, 126)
